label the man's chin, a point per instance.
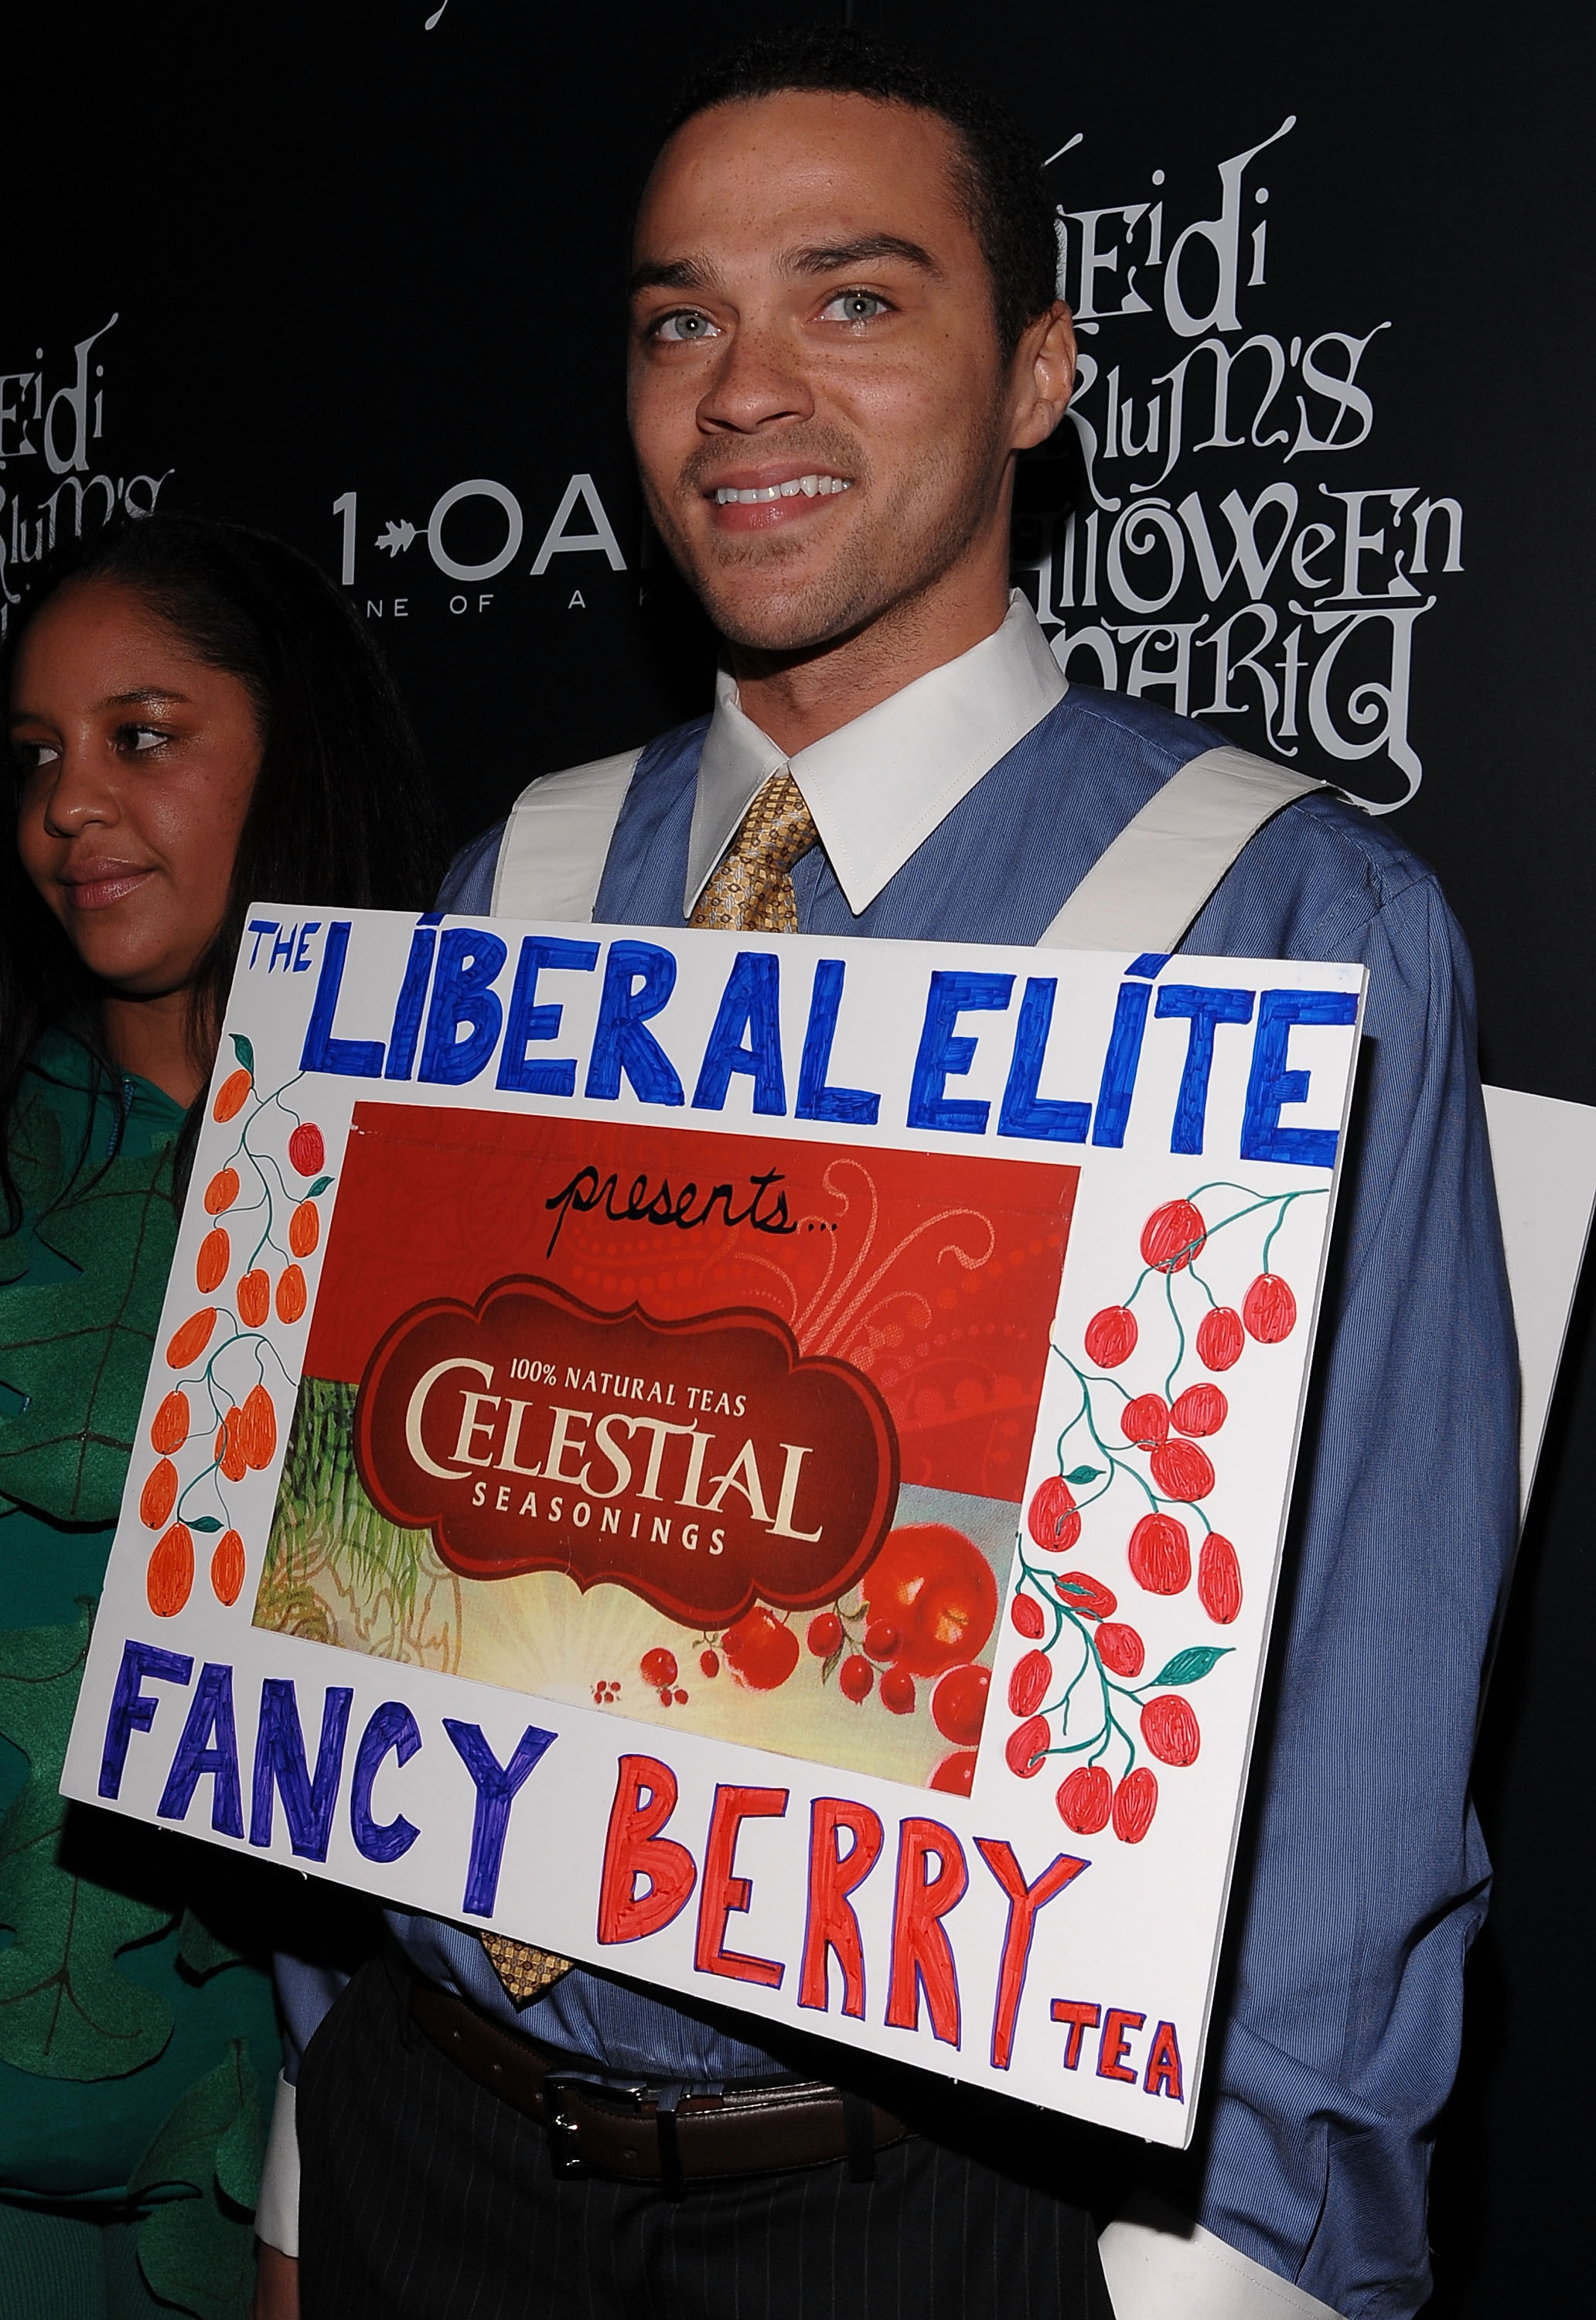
(784, 618)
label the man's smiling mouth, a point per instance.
(809, 485)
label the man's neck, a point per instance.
(798, 699)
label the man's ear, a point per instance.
(1044, 377)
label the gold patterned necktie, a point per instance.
(751, 886)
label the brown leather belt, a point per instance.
(639, 2135)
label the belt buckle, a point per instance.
(565, 2133)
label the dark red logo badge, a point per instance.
(703, 1462)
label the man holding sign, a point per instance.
(843, 334)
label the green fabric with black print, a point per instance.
(138, 2048)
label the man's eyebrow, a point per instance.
(669, 274)
(839, 257)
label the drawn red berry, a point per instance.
(856, 1677)
(1201, 1410)
(955, 1774)
(290, 1293)
(305, 1149)
(1110, 1336)
(188, 1342)
(1053, 1521)
(168, 1429)
(170, 1572)
(1219, 1578)
(253, 1296)
(1085, 1799)
(1160, 1554)
(304, 1229)
(1269, 1308)
(1029, 1682)
(881, 1640)
(227, 1567)
(959, 1704)
(1136, 1801)
(1088, 1596)
(1173, 1236)
(825, 1635)
(1146, 1421)
(260, 1428)
(1170, 1728)
(1182, 1471)
(761, 1650)
(936, 1588)
(231, 1096)
(658, 1667)
(1027, 1746)
(1221, 1338)
(1121, 1649)
(710, 1662)
(897, 1691)
(215, 1256)
(1026, 1612)
(159, 1494)
(222, 1192)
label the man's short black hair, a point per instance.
(998, 175)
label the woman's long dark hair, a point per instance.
(343, 813)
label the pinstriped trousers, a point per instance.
(425, 2197)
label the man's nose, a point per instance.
(760, 381)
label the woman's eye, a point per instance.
(684, 329)
(138, 739)
(31, 756)
(854, 306)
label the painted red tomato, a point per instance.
(825, 1635)
(1219, 1578)
(1136, 1801)
(1146, 1421)
(709, 1664)
(1170, 1728)
(1182, 1471)
(1027, 1746)
(1160, 1554)
(1201, 1410)
(1088, 1596)
(761, 1650)
(959, 1704)
(856, 1678)
(936, 1588)
(1053, 1521)
(1085, 1799)
(1173, 1236)
(955, 1774)
(881, 1640)
(307, 1149)
(897, 1691)
(1029, 1682)
(658, 1667)
(1026, 1612)
(1110, 1336)
(1121, 1649)
(1221, 1338)
(1269, 1308)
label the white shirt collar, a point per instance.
(879, 787)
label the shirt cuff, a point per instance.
(277, 2211)
(1160, 2267)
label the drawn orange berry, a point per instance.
(188, 1342)
(160, 1495)
(215, 1256)
(253, 1296)
(304, 1229)
(290, 1293)
(260, 1428)
(169, 1428)
(222, 1192)
(231, 1096)
(233, 1451)
(170, 1572)
(227, 1567)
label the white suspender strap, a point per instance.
(1146, 889)
(557, 842)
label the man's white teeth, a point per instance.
(808, 484)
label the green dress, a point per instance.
(138, 2048)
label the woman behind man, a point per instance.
(196, 720)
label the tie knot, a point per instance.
(751, 887)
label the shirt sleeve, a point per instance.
(468, 882)
(1336, 2043)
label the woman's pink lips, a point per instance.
(96, 894)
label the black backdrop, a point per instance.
(359, 256)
